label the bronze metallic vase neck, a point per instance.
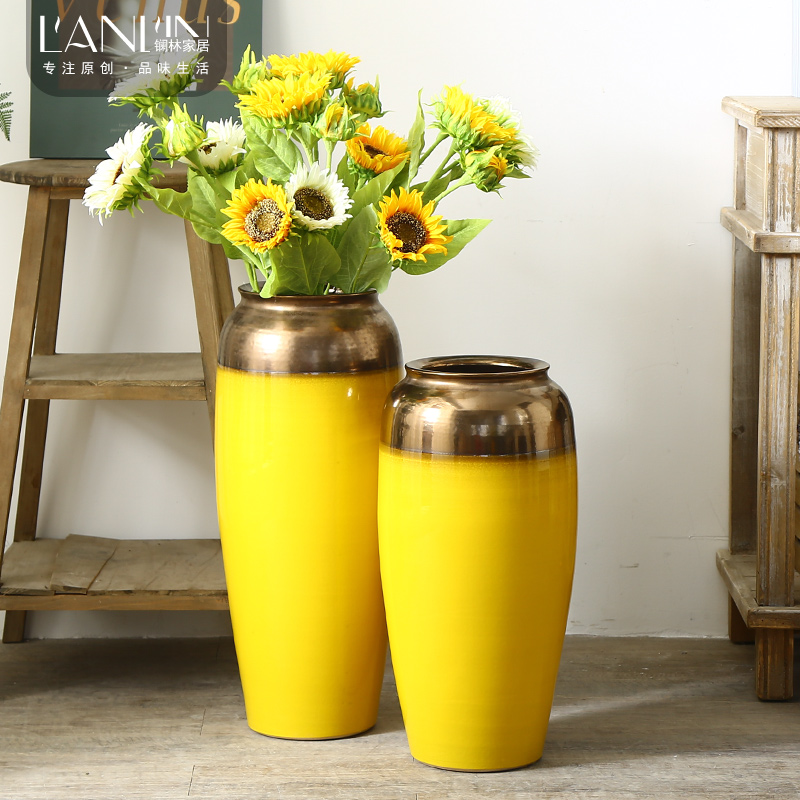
(312, 334)
(478, 368)
(478, 406)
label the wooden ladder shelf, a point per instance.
(83, 572)
(759, 566)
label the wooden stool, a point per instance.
(82, 572)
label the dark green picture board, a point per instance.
(84, 127)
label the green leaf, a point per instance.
(375, 271)
(228, 181)
(170, 201)
(205, 202)
(354, 247)
(463, 232)
(373, 191)
(416, 140)
(274, 154)
(304, 264)
(345, 175)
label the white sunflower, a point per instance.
(162, 82)
(114, 186)
(223, 147)
(320, 199)
(519, 149)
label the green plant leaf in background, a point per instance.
(274, 154)
(170, 201)
(375, 271)
(366, 196)
(303, 264)
(5, 114)
(374, 190)
(463, 232)
(416, 141)
(205, 202)
(363, 266)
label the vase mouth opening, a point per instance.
(247, 291)
(478, 367)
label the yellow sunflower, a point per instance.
(378, 151)
(408, 229)
(472, 123)
(260, 216)
(337, 64)
(281, 100)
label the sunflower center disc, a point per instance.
(312, 203)
(373, 151)
(263, 222)
(409, 230)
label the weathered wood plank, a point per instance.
(36, 420)
(747, 229)
(745, 334)
(780, 331)
(79, 561)
(19, 347)
(204, 262)
(28, 566)
(764, 112)
(116, 602)
(633, 719)
(116, 376)
(75, 173)
(175, 566)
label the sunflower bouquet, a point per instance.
(266, 187)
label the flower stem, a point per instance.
(251, 274)
(439, 139)
(313, 157)
(443, 167)
(329, 146)
(463, 181)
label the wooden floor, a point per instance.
(163, 719)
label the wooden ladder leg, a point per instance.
(777, 449)
(774, 663)
(23, 322)
(44, 343)
(213, 302)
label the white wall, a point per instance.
(610, 264)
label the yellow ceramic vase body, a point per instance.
(477, 557)
(296, 467)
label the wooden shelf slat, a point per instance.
(746, 227)
(739, 573)
(116, 376)
(764, 112)
(148, 574)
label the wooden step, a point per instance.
(739, 572)
(82, 572)
(116, 376)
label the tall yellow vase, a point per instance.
(477, 518)
(300, 388)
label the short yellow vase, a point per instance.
(477, 524)
(300, 388)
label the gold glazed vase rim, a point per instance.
(478, 405)
(247, 291)
(309, 334)
(478, 367)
